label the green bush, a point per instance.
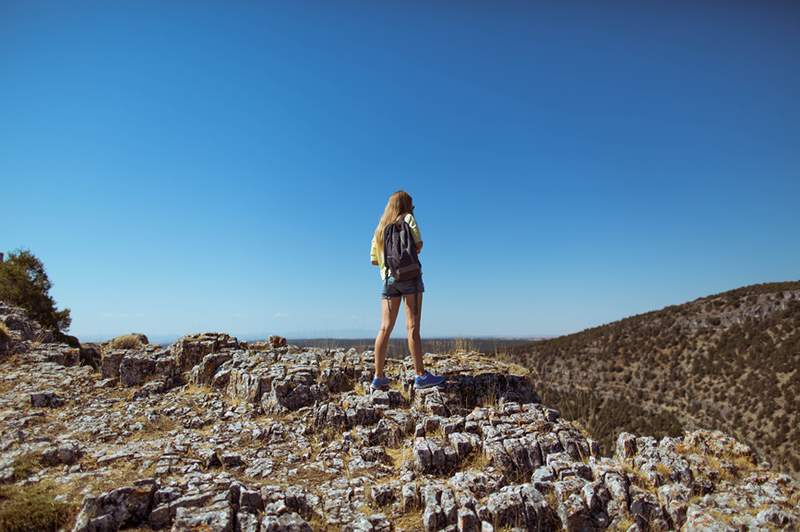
(24, 283)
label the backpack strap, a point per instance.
(385, 262)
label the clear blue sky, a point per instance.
(187, 166)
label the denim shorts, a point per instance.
(401, 288)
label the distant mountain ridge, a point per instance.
(729, 361)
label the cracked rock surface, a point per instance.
(214, 434)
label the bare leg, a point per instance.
(389, 310)
(413, 318)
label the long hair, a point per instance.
(398, 206)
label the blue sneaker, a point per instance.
(379, 383)
(426, 380)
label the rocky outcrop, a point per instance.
(191, 349)
(136, 367)
(21, 328)
(286, 438)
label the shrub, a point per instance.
(127, 341)
(24, 283)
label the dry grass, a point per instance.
(489, 399)
(409, 521)
(5, 334)
(551, 499)
(120, 473)
(637, 477)
(400, 455)
(33, 507)
(682, 448)
(729, 466)
(157, 428)
(517, 369)
(720, 467)
(127, 341)
(25, 465)
(7, 386)
(310, 476)
(397, 384)
(317, 522)
(794, 498)
(463, 345)
(328, 434)
(477, 459)
(195, 389)
(624, 523)
(39, 339)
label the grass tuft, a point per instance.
(25, 465)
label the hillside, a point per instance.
(729, 361)
(212, 433)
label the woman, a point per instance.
(399, 207)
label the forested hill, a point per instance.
(729, 361)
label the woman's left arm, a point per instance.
(415, 232)
(373, 252)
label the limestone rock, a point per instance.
(138, 367)
(203, 373)
(21, 328)
(190, 350)
(290, 438)
(110, 362)
(123, 507)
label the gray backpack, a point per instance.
(400, 252)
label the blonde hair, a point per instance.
(397, 207)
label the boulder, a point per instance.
(110, 362)
(190, 350)
(128, 506)
(138, 367)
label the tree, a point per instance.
(24, 283)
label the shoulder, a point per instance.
(409, 219)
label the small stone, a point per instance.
(231, 460)
(46, 400)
